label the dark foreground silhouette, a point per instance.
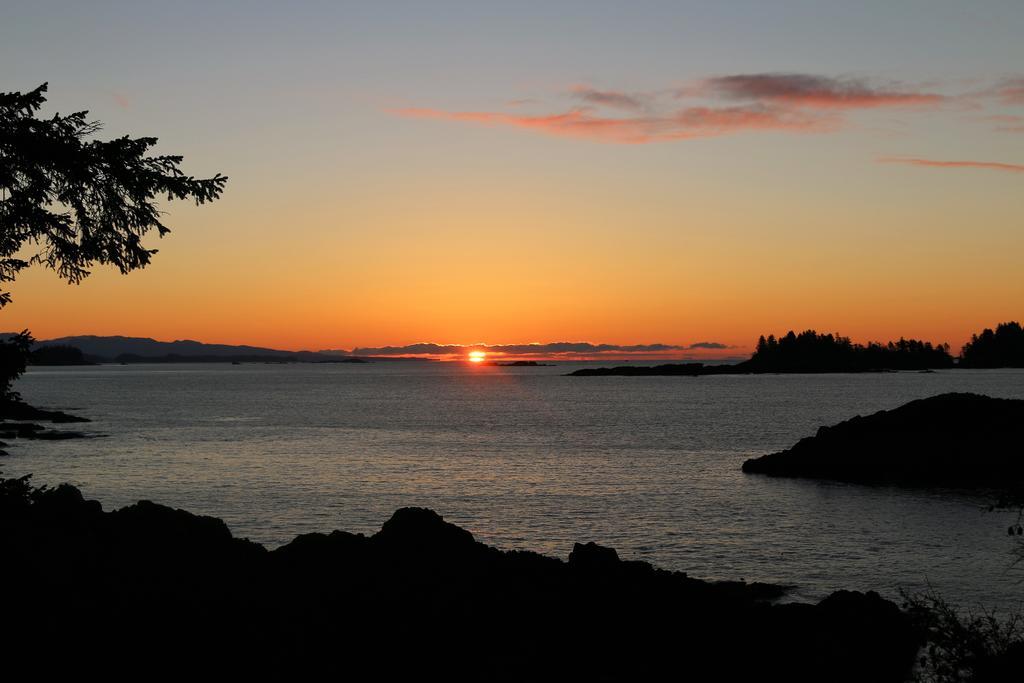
(162, 589)
(954, 439)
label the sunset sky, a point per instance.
(618, 173)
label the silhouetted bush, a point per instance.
(962, 646)
(14, 356)
(15, 352)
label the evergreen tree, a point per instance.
(69, 202)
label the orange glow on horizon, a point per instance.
(477, 356)
(724, 262)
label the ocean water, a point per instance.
(529, 458)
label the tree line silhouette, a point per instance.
(1002, 348)
(810, 351)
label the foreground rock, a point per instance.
(150, 586)
(953, 439)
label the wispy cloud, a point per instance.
(609, 98)
(1005, 123)
(1010, 90)
(515, 349)
(937, 163)
(578, 123)
(693, 122)
(818, 92)
(121, 100)
(709, 345)
(749, 102)
(722, 105)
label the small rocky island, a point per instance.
(955, 439)
(419, 599)
(667, 369)
(19, 420)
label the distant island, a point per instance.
(681, 369)
(956, 439)
(89, 350)
(811, 352)
(58, 354)
(804, 352)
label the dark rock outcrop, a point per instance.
(593, 556)
(13, 414)
(28, 430)
(19, 410)
(954, 439)
(148, 586)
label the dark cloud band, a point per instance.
(550, 349)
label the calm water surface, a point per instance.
(529, 458)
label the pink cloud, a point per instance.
(726, 105)
(990, 165)
(692, 122)
(723, 120)
(121, 100)
(1010, 91)
(723, 105)
(576, 123)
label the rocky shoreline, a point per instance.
(147, 583)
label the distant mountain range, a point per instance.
(144, 349)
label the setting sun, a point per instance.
(477, 356)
